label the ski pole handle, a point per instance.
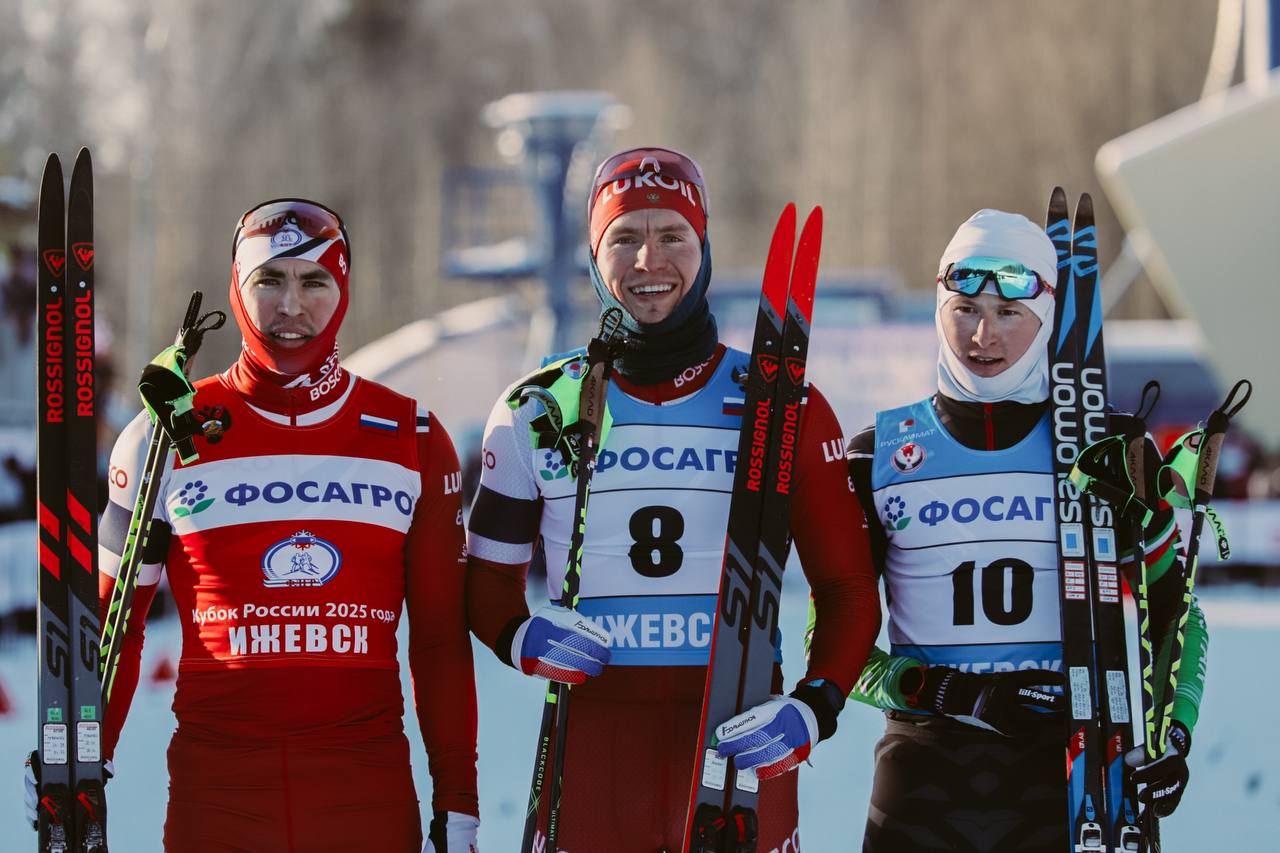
(1215, 432)
(194, 325)
(1136, 437)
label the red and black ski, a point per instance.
(722, 803)
(72, 813)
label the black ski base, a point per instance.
(715, 833)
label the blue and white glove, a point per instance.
(560, 644)
(776, 736)
(452, 832)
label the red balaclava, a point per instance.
(309, 376)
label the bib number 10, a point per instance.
(1014, 574)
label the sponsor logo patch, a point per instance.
(908, 458)
(191, 499)
(286, 238)
(303, 559)
(551, 466)
(55, 260)
(83, 253)
(895, 513)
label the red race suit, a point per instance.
(292, 545)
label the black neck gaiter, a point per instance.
(657, 352)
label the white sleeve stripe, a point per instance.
(498, 552)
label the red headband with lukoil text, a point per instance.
(643, 179)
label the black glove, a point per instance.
(1165, 777)
(1008, 703)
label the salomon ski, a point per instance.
(1084, 736)
(1119, 816)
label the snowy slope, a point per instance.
(1233, 802)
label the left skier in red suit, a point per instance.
(322, 505)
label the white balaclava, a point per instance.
(996, 234)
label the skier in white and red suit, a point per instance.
(321, 506)
(655, 535)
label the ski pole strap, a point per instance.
(557, 388)
(1187, 474)
(1103, 469)
(1187, 463)
(1135, 434)
(169, 399)
(167, 394)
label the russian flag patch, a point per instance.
(385, 425)
(734, 405)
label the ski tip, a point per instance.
(814, 219)
(811, 236)
(52, 166)
(805, 275)
(1057, 207)
(1085, 205)
(83, 160)
(777, 266)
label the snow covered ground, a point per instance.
(1233, 802)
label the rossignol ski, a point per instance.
(588, 428)
(72, 809)
(722, 807)
(1084, 776)
(1119, 816)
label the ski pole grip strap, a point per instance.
(1219, 532)
(1207, 470)
(1102, 469)
(1134, 451)
(1215, 432)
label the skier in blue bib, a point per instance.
(958, 492)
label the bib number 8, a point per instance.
(1020, 576)
(656, 531)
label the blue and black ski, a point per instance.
(1083, 736)
(1101, 800)
(1120, 815)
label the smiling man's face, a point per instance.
(649, 259)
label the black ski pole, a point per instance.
(601, 353)
(169, 398)
(1186, 480)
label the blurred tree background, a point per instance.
(901, 118)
